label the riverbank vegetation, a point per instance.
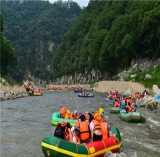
(154, 72)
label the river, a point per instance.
(26, 121)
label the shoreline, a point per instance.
(107, 86)
(123, 87)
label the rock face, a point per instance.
(96, 75)
(149, 102)
(142, 64)
(156, 90)
(7, 92)
(12, 95)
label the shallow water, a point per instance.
(26, 121)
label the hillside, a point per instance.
(35, 28)
(106, 37)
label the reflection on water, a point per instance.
(26, 121)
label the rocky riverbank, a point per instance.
(124, 87)
(8, 92)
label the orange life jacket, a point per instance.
(97, 125)
(77, 139)
(67, 116)
(117, 104)
(84, 130)
(105, 133)
(27, 86)
(75, 116)
(129, 108)
(63, 111)
(76, 124)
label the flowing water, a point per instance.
(26, 121)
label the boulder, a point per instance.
(153, 105)
(144, 101)
(133, 76)
(147, 76)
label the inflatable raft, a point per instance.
(109, 100)
(53, 146)
(115, 110)
(85, 95)
(132, 116)
(77, 91)
(36, 93)
(56, 118)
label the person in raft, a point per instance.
(63, 131)
(75, 135)
(95, 128)
(84, 130)
(99, 115)
(75, 115)
(63, 111)
(106, 128)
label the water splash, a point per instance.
(110, 154)
(157, 123)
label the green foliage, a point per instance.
(154, 72)
(8, 56)
(108, 35)
(148, 83)
(35, 28)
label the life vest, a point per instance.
(76, 124)
(75, 116)
(68, 114)
(63, 111)
(97, 126)
(129, 108)
(97, 115)
(105, 133)
(137, 95)
(77, 139)
(117, 104)
(84, 130)
(71, 115)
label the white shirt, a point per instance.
(74, 140)
(91, 125)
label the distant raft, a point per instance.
(85, 95)
(109, 100)
(132, 116)
(56, 119)
(53, 146)
(78, 91)
(36, 93)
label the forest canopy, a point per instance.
(108, 35)
(8, 56)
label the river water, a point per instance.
(26, 121)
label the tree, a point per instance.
(7, 53)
